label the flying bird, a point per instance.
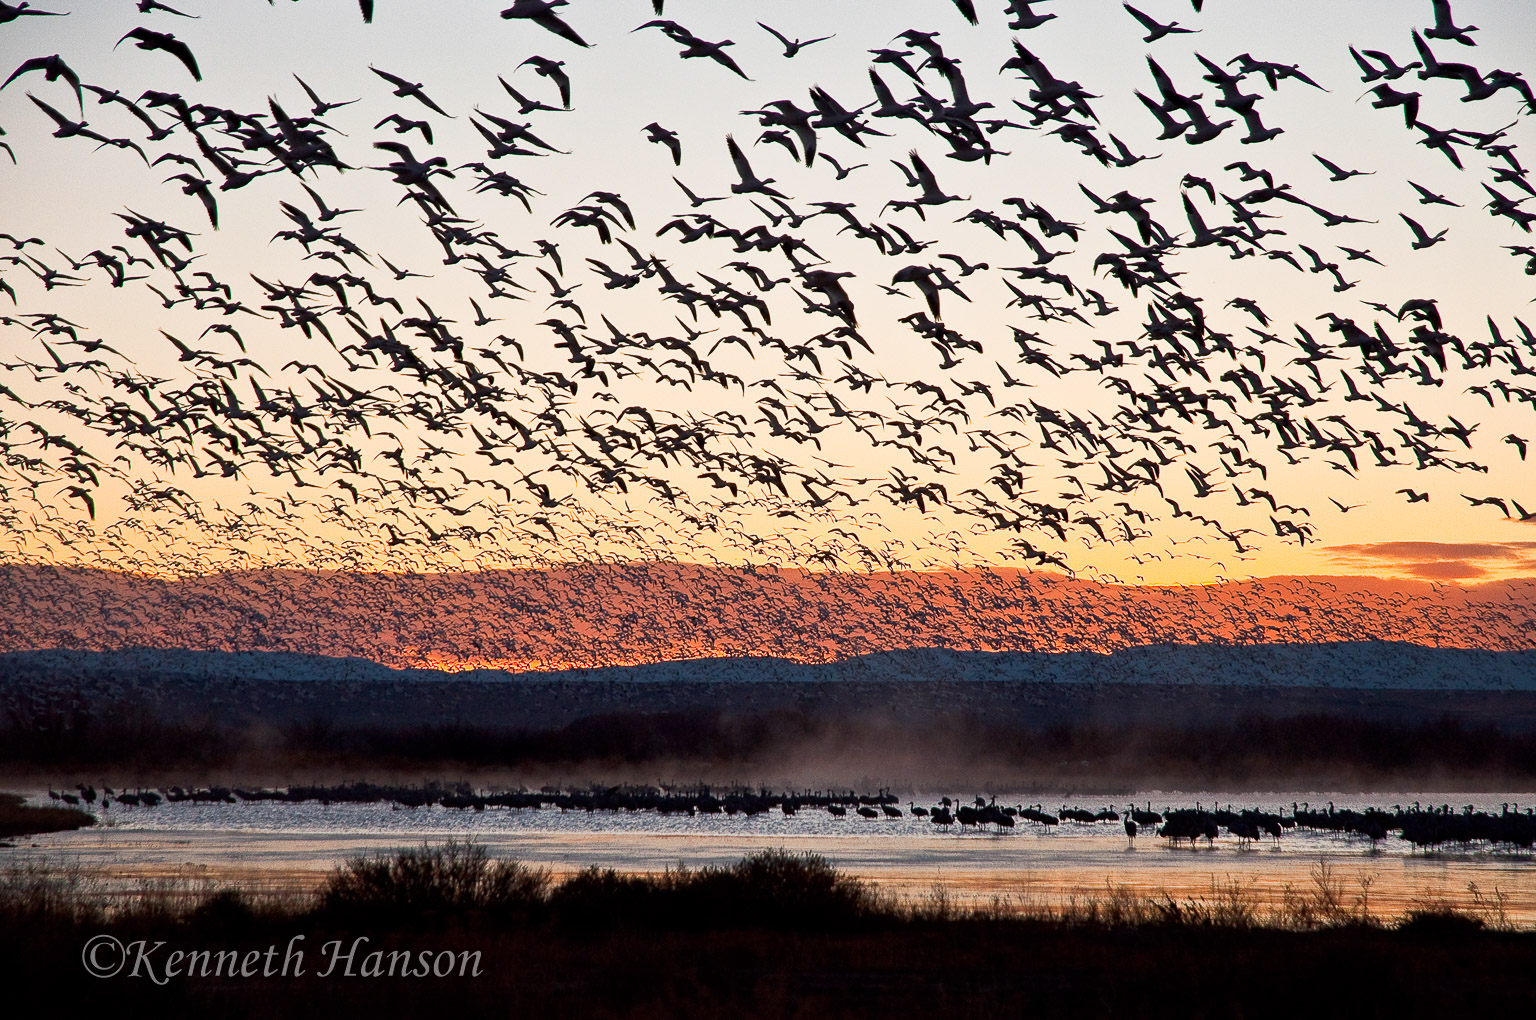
(554, 70)
(1422, 239)
(197, 186)
(750, 183)
(150, 6)
(53, 69)
(659, 135)
(321, 107)
(1446, 28)
(409, 89)
(1155, 29)
(10, 12)
(542, 13)
(694, 47)
(791, 47)
(145, 39)
(1337, 172)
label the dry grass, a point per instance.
(459, 882)
(775, 935)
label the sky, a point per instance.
(70, 194)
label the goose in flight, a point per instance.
(191, 185)
(659, 135)
(841, 170)
(326, 212)
(10, 12)
(750, 183)
(1155, 29)
(145, 39)
(1422, 239)
(403, 124)
(157, 132)
(1389, 70)
(791, 47)
(554, 71)
(693, 46)
(1430, 198)
(1339, 173)
(1388, 97)
(1025, 19)
(53, 69)
(922, 178)
(72, 129)
(694, 200)
(526, 105)
(1446, 27)
(411, 89)
(150, 6)
(320, 107)
(542, 13)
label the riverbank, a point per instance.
(775, 934)
(18, 818)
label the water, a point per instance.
(292, 846)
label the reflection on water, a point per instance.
(292, 845)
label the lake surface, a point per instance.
(289, 847)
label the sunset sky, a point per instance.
(434, 501)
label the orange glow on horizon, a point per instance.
(602, 615)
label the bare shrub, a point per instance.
(454, 876)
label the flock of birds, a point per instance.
(766, 421)
(1432, 826)
(598, 615)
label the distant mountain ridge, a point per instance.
(1335, 665)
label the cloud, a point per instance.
(1438, 561)
(1435, 550)
(1444, 570)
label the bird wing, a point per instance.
(1146, 22)
(183, 52)
(1370, 72)
(882, 91)
(925, 177)
(1195, 219)
(58, 117)
(1164, 83)
(776, 34)
(393, 79)
(553, 23)
(563, 83)
(743, 168)
(35, 64)
(429, 104)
